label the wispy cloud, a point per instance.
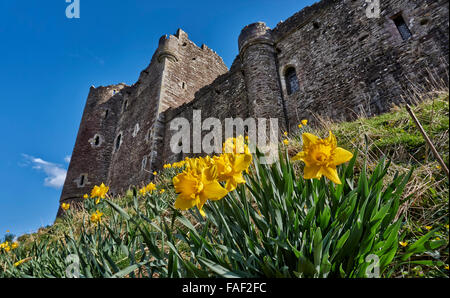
(56, 174)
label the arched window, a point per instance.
(291, 80)
(97, 141)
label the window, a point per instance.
(144, 163)
(96, 141)
(402, 27)
(118, 141)
(291, 81)
(82, 180)
(106, 113)
(125, 105)
(136, 130)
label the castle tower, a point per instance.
(122, 130)
(94, 144)
(259, 63)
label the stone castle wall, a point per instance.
(344, 62)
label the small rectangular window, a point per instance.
(402, 27)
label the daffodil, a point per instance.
(14, 245)
(304, 121)
(235, 145)
(299, 126)
(96, 217)
(321, 156)
(150, 187)
(230, 168)
(99, 191)
(403, 243)
(162, 191)
(143, 191)
(155, 173)
(65, 206)
(428, 227)
(196, 185)
(286, 142)
(86, 196)
(18, 263)
(285, 133)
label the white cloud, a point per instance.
(56, 174)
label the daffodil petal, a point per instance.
(309, 139)
(299, 156)
(331, 173)
(311, 172)
(184, 204)
(341, 155)
(214, 191)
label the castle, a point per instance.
(328, 59)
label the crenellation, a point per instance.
(327, 60)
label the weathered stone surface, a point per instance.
(346, 64)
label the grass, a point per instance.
(136, 231)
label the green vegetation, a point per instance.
(277, 224)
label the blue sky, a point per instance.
(48, 62)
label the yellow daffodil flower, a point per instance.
(286, 142)
(86, 196)
(14, 245)
(99, 191)
(162, 191)
(285, 133)
(65, 206)
(196, 185)
(150, 187)
(304, 121)
(403, 243)
(143, 191)
(96, 217)
(230, 169)
(428, 227)
(299, 126)
(18, 263)
(321, 156)
(155, 173)
(4, 244)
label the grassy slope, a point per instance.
(392, 134)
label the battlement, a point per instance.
(254, 33)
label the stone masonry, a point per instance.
(329, 59)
